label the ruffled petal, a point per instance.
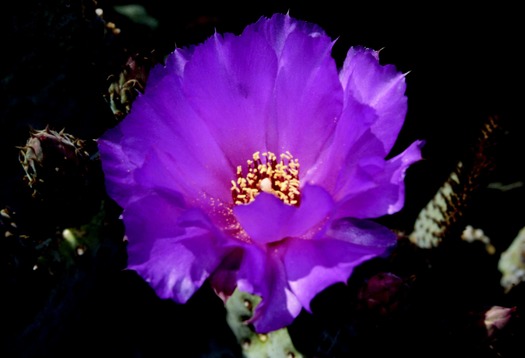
(374, 111)
(187, 148)
(229, 82)
(268, 219)
(353, 130)
(173, 248)
(174, 66)
(380, 87)
(308, 97)
(313, 265)
(363, 161)
(375, 187)
(280, 26)
(243, 87)
(262, 273)
(118, 168)
(224, 279)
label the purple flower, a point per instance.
(252, 162)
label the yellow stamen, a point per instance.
(277, 177)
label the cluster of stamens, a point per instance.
(266, 173)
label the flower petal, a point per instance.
(313, 265)
(333, 165)
(376, 187)
(381, 87)
(243, 86)
(308, 96)
(174, 66)
(117, 166)
(229, 82)
(262, 273)
(172, 248)
(279, 26)
(268, 219)
(187, 148)
(373, 113)
(224, 279)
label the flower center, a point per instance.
(268, 174)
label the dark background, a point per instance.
(464, 67)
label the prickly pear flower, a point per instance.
(251, 161)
